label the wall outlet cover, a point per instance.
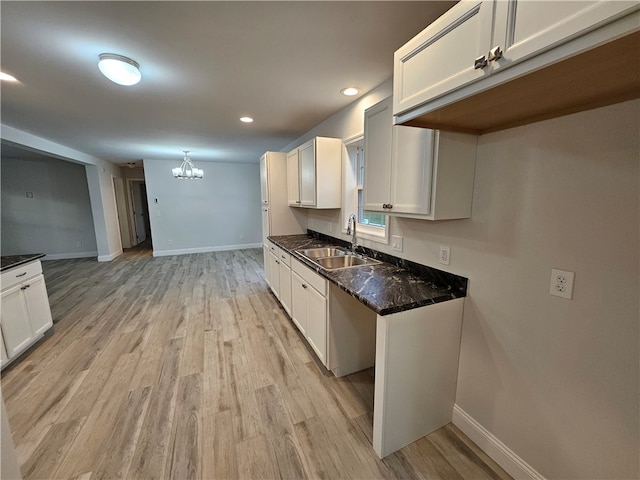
(561, 283)
(445, 254)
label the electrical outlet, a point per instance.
(561, 283)
(78, 244)
(170, 242)
(445, 254)
(396, 242)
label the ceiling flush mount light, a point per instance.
(246, 119)
(119, 69)
(187, 169)
(350, 91)
(7, 78)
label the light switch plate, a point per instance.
(396, 242)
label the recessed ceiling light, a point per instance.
(246, 119)
(119, 69)
(7, 78)
(350, 91)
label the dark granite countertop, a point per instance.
(393, 286)
(11, 261)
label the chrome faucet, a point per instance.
(352, 225)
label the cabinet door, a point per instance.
(266, 260)
(4, 358)
(378, 122)
(266, 226)
(441, 58)
(285, 286)
(299, 302)
(293, 178)
(526, 28)
(38, 308)
(14, 319)
(317, 323)
(274, 272)
(412, 170)
(307, 174)
(264, 184)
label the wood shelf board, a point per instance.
(602, 76)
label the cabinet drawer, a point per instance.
(19, 274)
(284, 257)
(309, 276)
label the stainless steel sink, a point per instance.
(314, 253)
(332, 263)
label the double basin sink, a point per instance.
(331, 258)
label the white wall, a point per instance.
(99, 174)
(219, 212)
(57, 220)
(555, 380)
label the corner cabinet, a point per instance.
(416, 172)
(314, 174)
(537, 59)
(25, 315)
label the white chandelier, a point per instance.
(187, 169)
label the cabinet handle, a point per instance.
(21, 275)
(389, 206)
(480, 62)
(495, 53)
(298, 201)
(283, 257)
(25, 287)
(304, 286)
(278, 262)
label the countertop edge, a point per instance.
(22, 261)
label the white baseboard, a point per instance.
(111, 256)
(498, 451)
(66, 256)
(221, 248)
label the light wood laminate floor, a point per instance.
(186, 367)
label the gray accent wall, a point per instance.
(219, 212)
(46, 208)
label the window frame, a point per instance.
(352, 176)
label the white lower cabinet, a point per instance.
(278, 273)
(24, 313)
(309, 307)
(3, 351)
(299, 309)
(284, 280)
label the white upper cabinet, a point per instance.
(377, 174)
(416, 172)
(488, 65)
(314, 174)
(524, 27)
(441, 57)
(293, 178)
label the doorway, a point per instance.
(139, 212)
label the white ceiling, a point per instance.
(203, 64)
